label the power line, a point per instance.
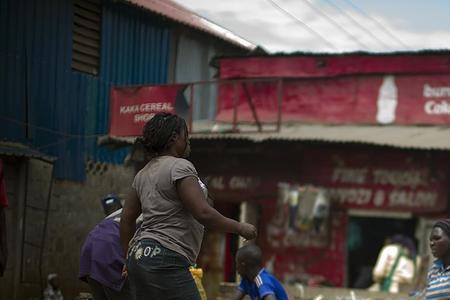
(387, 31)
(319, 11)
(45, 129)
(355, 22)
(274, 4)
(65, 137)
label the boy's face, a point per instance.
(241, 267)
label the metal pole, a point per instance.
(235, 104)
(280, 102)
(191, 108)
(252, 106)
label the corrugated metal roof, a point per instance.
(424, 52)
(180, 14)
(16, 149)
(416, 137)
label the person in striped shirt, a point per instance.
(438, 283)
(256, 281)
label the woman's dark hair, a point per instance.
(158, 131)
(251, 254)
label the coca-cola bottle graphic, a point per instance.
(387, 100)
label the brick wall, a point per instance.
(75, 210)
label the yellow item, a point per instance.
(197, 273)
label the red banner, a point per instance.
(132, 107)
(402, 99)
(391, 181)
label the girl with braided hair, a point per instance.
(170, 196)
(438, 283)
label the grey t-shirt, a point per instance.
(166, 220)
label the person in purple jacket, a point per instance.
(102, 258)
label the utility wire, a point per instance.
(45, 129)
(351, 36)
(287, 13)
(356, 23)
(384, 28)
(65, 137)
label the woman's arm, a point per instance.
(130, 212)
(194, 200)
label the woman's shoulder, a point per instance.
(183, 161)
(166, 164)
(182, 164)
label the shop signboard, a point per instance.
(132, 107)
(393, 180)
(354, 99)
(371, 178)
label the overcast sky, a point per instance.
(335, 25)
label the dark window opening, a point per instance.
(366, 237)
(86, 36)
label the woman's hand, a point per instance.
(247, 231)
(125, 271)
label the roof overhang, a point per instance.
(20, 150)
(180, 14)
(415, 137)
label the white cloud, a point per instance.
(261, 23)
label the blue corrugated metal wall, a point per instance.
(37, 85)
(135, 50)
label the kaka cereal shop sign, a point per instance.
(132, 107)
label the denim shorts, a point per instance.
(158, 273)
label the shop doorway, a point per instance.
(365, 238)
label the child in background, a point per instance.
(53, 292)
(256, 281)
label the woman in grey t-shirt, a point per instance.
(168, 193)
